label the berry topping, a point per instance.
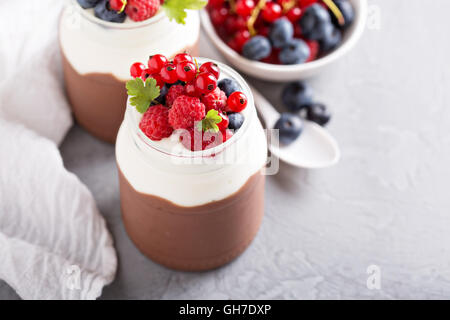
(196, 140)
(257, 48)
(281, 32)
(103, 11)
(245, 7)
(297, 95)
(224, 123)
(87, 4)
(219, 15)
(191, 90)
(210, 67)
(156, 63)
(159, 79)
(210, 122)
(294, 14)
(237, 101)
(118, 5)
(313, 22)
(186, 71)
(296, 51)
(140, 10)
(318, 113)
(290, 126)
(155, 123)
(182, 57)
(169, 73)
(272, 12)
(228, 86)
(216, 100)
(185, 112)
(205, 83)
(331, 39)
(173, 93)
(348, 13)
(137, 69)
(236, 120)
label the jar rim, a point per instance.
(115, 25)
(137, 132)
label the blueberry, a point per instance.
(281, 32)
(313, 22)
(228, 86)
(86, 4)
(162, 95)
(236, 121)
(290, 126)
(332, 38)
(347, 11)
(297, 95)
(295, 52)
(257, 48)
(103, 11)
(318, 113)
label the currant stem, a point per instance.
(336, 11)
(255, 13)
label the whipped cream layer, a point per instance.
(95, 46)
(168, 170)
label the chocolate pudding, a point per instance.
(193, 238)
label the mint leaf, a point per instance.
(176, 9)
(142, 94)
(210, 121)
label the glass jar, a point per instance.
(192, 210)
(97, 56)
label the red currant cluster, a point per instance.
(190, 94)
(237, 21)
(199, 80)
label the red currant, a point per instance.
(232, 43)
(182, 57)
(245, 7)
(137, 69)
(186, 71)
(159, 80)
(271, 12)
(241, 37)
(215, 3)
(294, 14)
(169, 73)
(307, 3)
(205, 83)
(117, 5)
(218, 16)
(157, 62)
(190, 89)
(224, 123)
(314, 48)
(145, 74)
(237, 101)
(212, 68)
(235, 23)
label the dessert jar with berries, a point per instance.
(191, 162)
(99, 39)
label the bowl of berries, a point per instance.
(284, 40)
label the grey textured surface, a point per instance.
(385, 203)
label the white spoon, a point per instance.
(314, 149)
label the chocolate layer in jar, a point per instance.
(97, 56)
(193, 238)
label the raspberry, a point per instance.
(216, 100)
(195, 140)
(140, 10)
(174, 92)
(185, 112)
(155, 123)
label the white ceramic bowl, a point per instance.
(282, 73)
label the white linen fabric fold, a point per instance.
(54, 243)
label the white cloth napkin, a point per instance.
(54, 243)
